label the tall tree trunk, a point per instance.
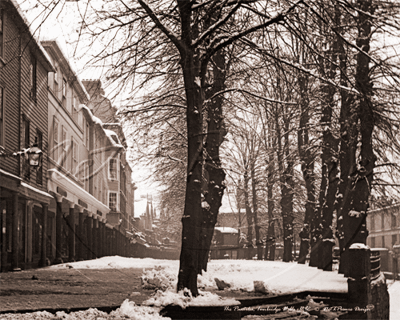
(355, 202)
(270, 243)
(307, 167)
(329, 163)
(348, 141)
(361, 177)
(255, 209)
(192, 216)
(286, 185)
(249, 213)
(216, 175)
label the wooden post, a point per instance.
(71, 232)
(43, 254)
(89, 222)
(95, 241)
(59, 223)
(4, 240)
(80, 232)
(15, 234)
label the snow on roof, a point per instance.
(32, 34)
(226, 230)
(113, 137)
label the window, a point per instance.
(113, 169)
(383, 241)
(74, 156)
(95, 191)
(26, 127)
(75, 112)
(372, 220)
(394, 239)
(383, 222)
(2, 142)
(64, 147)
(101, 190)
(32, 79)
(39, 172)
(64, 93)
(86, 176)
(112, 201)
(87, 135)
(55, 139)
(64, 88)
(393, 222)
(1, 34)
(372, 242)
(56, 82)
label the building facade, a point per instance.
(65, 184)
(384, 227)
(120, 193)
(24, 200)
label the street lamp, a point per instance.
(33, 154)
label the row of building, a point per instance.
(65, 182)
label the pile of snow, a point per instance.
(185, 299)
(159, 278)
(128, 310)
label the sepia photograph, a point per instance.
(200, 159)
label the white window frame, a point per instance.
(64, 149)
(87, 134)
(64, 88)
(86, 176)
(56, 140)
(101, 190)
(75, 155)
(110, 177)
(116, 200)
(56, 75)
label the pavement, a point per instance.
(69, 289)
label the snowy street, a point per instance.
(277, 277)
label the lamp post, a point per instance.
(33, 154)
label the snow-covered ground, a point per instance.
(276, 277)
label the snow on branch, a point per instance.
(298, 67)
(341, 37)
(252, 94)
(277, 18)
(174, 38)
(217, 24)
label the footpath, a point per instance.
(69, 289)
